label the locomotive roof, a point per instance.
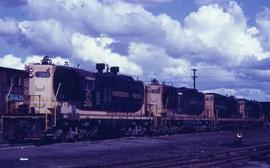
(246, 100)
(220, 95)
(96, 74)
(12, 70)
(242, 99)
(185, 89)
(111, 75)
(78, 70)
(265, 103)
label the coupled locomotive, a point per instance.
(67, 102)
(64, 102)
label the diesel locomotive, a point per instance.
(64, 102)
(74, 102)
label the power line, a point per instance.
(194, 77)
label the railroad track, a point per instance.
(202, 160)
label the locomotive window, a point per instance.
(19, 81)
(89, 85)
(42, 74)
(15, 98)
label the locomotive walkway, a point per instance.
(213, 149)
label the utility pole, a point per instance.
(194, 77)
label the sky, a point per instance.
(228, 41)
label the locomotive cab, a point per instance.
(161, 99)
(41, 86)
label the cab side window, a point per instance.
(89, 85)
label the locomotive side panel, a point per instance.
(253, 109)
(250, 109)
(97, 93)
(223, 106)
(68, 86)
(266, 110)
(190, 101)
(119, 93)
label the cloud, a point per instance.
(140, 1)
(120, 20)
(94, 17)
(8, 27)
(209, 2)
(161, 64)
(209, 33)
(96, 50)
(11, 61)
(225, 32)
(263, 22)
(45, 36)
(246, 93)
(216, 39)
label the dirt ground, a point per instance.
(106, 152)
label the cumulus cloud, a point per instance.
(222, 31)
(209, 32)
(246, 93)
(216, 39)
(117, 18)
(8, 27)
(96, 50)
(11, 61)
(45, 36)
(162, 65)
(263, 22)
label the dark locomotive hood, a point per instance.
(108, 91)
(70, 83)
(252, 108)
(225, 106)
(190, 101)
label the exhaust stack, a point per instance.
(114, 70)
(100, 67)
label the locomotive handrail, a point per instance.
(56, 95)
(7, 96)
(39, 97)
